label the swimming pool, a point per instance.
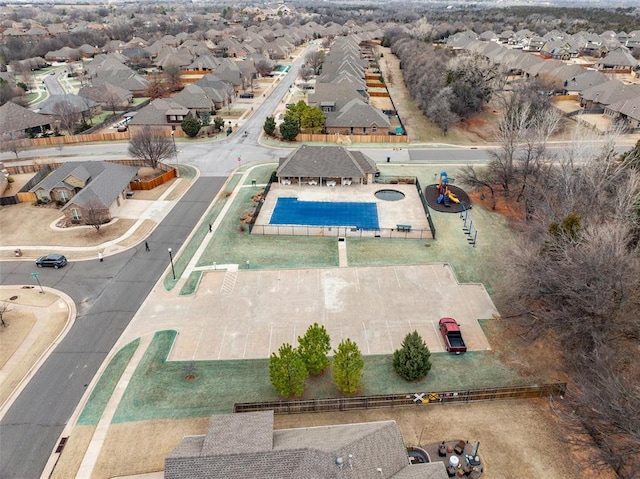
(290, 211)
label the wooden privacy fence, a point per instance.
(152, 183)
(336, 138)
(298, 406)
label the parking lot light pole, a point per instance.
(173, 271)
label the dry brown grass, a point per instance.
(140, 447)
(73, 452)
(517, 438)
(522, 436)
(19, 324)
(27, 225)
(28, 314)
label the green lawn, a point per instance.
(159, 388)
(106, 385)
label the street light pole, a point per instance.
(173, 271)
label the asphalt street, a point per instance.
(107, 295)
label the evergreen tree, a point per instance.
(313, 347)
(347, 366)
(290, 127)
(191, 126)
(287, 371)
(269, 125)
(411, 361)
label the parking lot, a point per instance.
(251, 313)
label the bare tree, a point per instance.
(173, 77)
(229, 93)
(264, 67)
(573, 274)
(95, 214)
(4, 308)
(439, 111)
(157, 87)
(113, 101)
(151, 145)
(314, 60)
(306, 74)
(67, 114)
(13, 142)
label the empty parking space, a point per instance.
(255, 312)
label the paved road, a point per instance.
(107, 295)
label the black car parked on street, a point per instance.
(54, 260)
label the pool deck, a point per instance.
(408, 211)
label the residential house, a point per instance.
(625, 113)
(620, 60)
(331, 98)
(109, 97)
(17, 121)
(598, 97)
(357, 118)
(161, 112)
(195, 99)
(216, 90)
(584, 80)
(65, 54)
(55, 105)
(247, 446)
(89, 190)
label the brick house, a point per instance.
(87, 189)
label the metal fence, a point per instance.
(299, 406)
(350, 231)
(340, 231)
(256, 212)
(426, 209)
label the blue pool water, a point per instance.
(290, 211)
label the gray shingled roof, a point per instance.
(302, 453)
(14, 118)
(587, 79)
(325, 162)
(358, 114)
(619, 57)
(79, 103)
(105, 181)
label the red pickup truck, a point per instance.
(452, 336)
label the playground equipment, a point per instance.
(468, 227)
(444, 193)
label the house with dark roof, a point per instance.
(625, 113)
(161, 112)
(108, 96)
(55, 104)
(586, 79)
(246, 446)
(619, 59)
(318, 165)
(16, 120)
(357, 118)
(87, 189)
